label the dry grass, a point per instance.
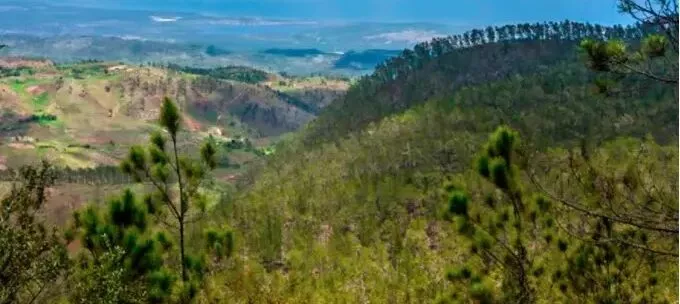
(19, 62)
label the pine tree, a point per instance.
(127, 242)
(491, 34)
(125, 261)
(176, 178)
(656, 58)
(624, 219)
(593, 235)
(502, 229)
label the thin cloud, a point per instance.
(409, 36)
(165, 19)
(257, 22)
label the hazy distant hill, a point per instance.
(363, 60)
(62, 32)
(294, 52)
(134, 50)
(229, 32)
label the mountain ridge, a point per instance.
(497, 52)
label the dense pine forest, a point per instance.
(442, 66)
(527, 163)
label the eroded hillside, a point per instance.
(88, 114)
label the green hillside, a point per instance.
(529, 163)
(366, 209)
(352, 208)
(440, 67)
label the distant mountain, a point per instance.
(234, 33)
(294, 52)
(212, 50)
(294, 61)
(364, 60)
(79, 32)
(81, 47)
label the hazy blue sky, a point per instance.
(464, 12)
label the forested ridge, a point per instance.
(441, 66)
(520, 164)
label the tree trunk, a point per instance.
(181, 245)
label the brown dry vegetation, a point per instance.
(107, 107)
(100, 114)
(18, 62)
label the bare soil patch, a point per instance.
(18, 62)
(192, 124)
(35, 90)
(24, 146)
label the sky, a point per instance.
(461, 12)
